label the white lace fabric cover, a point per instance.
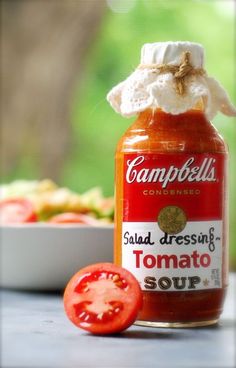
(148, 88)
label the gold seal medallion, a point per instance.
(172, 219)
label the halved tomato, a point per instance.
(103, 298)
(71, 217)
(16, 210)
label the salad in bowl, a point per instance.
(49, 232)
(43, 201)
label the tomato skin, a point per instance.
(17, 210)
(131, 300)
(72, 218)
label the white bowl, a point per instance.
(45, 256)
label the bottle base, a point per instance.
(175, 324)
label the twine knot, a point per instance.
(180, 72)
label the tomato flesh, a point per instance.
(103, 298)
(70, 217)
(17, 210)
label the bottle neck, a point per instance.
(197, 110)
(159, 131)
(151, 118)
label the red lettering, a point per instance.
(195, 257)
(137, 259)
(166, 261)
(149, 261)
(185, 261)
(207, 261)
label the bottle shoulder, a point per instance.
(188, 133)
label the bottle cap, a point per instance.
(171, 77)
(171, 53)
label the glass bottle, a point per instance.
(184, 136)
(171, 220)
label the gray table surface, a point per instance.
(36, 333)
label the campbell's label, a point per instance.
(173, 220)
(188, 172)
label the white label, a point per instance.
(190, 260)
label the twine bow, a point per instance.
(180, 72)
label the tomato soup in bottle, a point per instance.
(171, 228)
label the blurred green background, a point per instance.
(110, 55)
